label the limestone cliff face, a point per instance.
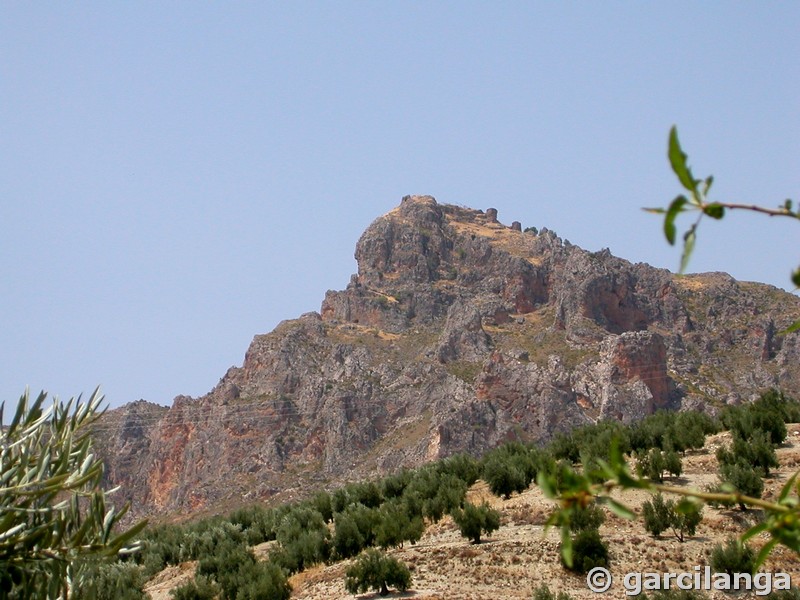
(457, 333)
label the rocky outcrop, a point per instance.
(457, 333)
(463, 336)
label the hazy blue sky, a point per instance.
(176, 177)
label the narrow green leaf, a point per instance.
(656, 211)
(125, 539)
(688, 247)
(707, 184)
(547, 484)
(755, 530)
(787, 488)
(617, 508)
(108, 523)
(677, 159)
(553, 519)
(22, 409)
(13, 531)
(675, 208)
(566, 546)
(764, 553)
(605, 470)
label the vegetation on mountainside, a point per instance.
(738, 483)
(387, 513)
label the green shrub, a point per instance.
(374, 570)
(474, 520)
(304, 538)
(162, 545)
(467, 468)
(667, 430)
(589, 517)
(262, 580)
(397, 525)
(769, 413)
(588, 551)
(394, 485)
(651, 464)
(654, 463)
(733, 557)
(199, 588)
(756, 451)
(321, 502)
(449, 495)
(339, 500)
(367, 493)
(775, 401)
(433, 494)
(656, 515)
(673, 464)
(660, 515)
(563, 446)
(347, 538)
(595, 441)
(366, 519)
(224, 564)
(685, 518)
(258, 523)
(308, 549)
(202, 538)
(744, 479)
(771, 423)
(110, 581)
(504, 476)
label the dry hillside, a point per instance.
(519, 557)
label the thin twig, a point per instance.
(772, 212)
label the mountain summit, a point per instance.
(457, 333)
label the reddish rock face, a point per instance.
(457, 333)
(642, 356)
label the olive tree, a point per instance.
(53, 511)
(374, 570)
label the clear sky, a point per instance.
(177, 177)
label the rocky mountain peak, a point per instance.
(457, 333)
